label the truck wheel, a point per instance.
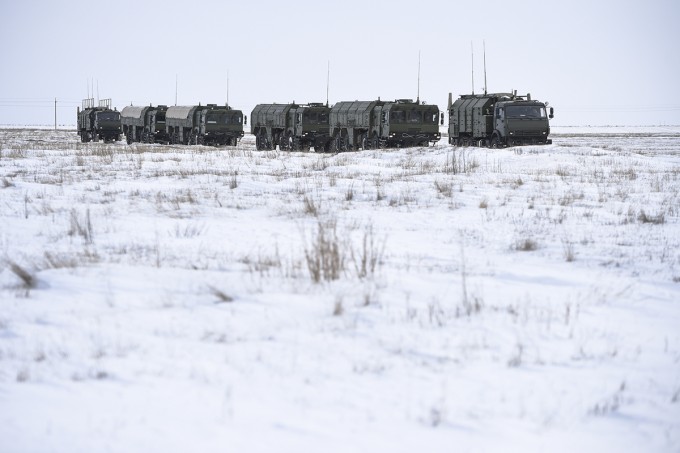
(345, 143)
(495, 143)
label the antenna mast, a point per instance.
(484, 42)
(472, 52)
(328, 80)
(418, 98)
(227, 88)
(175, 89)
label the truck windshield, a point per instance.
(525, 111)
(223, 118)
(108, 116)
(312, 117)
(397, 116)
(415, 116)
(431, 117)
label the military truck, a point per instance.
(498, 119)
(204, 125)
(290, 126)
(378, 124)
(144, 124)
(98, 123)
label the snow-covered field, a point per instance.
(159, 298)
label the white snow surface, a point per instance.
(161, 298)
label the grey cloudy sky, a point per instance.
(596, 62)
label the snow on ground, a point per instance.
(160, 298)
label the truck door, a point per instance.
(297, 129)
(384, 123)
(499, 123)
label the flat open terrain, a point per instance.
(165, 298)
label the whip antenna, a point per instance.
(472, 52)
(328, 80)
(484, 42)
(418, 96)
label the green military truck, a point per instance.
(204, 125)
(498, 119)
(144, 124)
(379, 124)
(290, 126)
(98, 123)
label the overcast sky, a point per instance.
(597, 62)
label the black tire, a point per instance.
(495, 143)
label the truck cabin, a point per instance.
(159, 116)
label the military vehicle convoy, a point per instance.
(346, 126)
(204, 125)
(144, 124)
(290, 126)
(98, 123)
(498, 119)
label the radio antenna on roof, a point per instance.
(328, 80)
(484, 42)
(472, 52)
(175, 88)
(418, 95)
